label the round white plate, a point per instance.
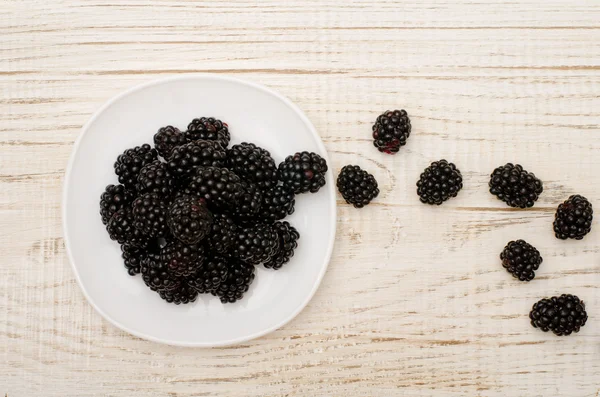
(254, 114)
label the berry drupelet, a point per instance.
(288, 241)
(303, 172)
(210, 275)
(113, 199)
(239, 278)
(515, 186)
(562, 315)
(391, 130)
(181, 259)
(155, 178)
(521, 260)
(574, 218)
(130, 163)
(439, 182)
(252, 163)
(184, 160)
(222, 235)
(357, 186)
(189, 220)
(208, 129)
(256, 244)
(150, 215)
(277, 203)
(166, 139)
(221, 188)
(156, 274)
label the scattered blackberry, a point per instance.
(156, 274)
(210, 129)
(515, 186)
(288, 242)
(303, 172)
(130, 163)
(132, 258)
(237, 283)
(155, 178)
(358, 187)
(391, 130)
(256, 244)
(184, 160)
(222, 234)
(248, 205)
(113, 199)
(121, 229)
(209, 276)
(189, 220)
(277, 203)
(439, 182)
(220, 187)
(521, 260)
(252, 163)
(562, 315)
(150, 215)
(573, 218)
(181, 259)
(183, 294)
(166, 139)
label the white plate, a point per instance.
(255, 114)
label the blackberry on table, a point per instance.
(288, 241)
(156, 274)
(277, 203)
(439, 182)
(189, 220)
(121, 229)
(573, 218)
(521, 259)
(222, 235)
(239, 278)
(209, 129)
(357, 186)
(221, 188)
(182, 294)
(155, 178)
(252, 163)
(515, 186)
(130, 163)
(166, 139)
(150, 215)
(113, 199)
(562, 315)
(256, 244)
(303, 172)
(391, 130)
(184, 160)
(248, 205)
(210, 275)
(182, 259)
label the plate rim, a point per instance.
(207, 76)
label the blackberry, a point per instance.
(210, 275)
(288, 241)
(391, 130)
(150, 215)
(182, 259)
(130, 163)
(239, 278)
(113, 199)
(439, 182)
(562, 315)
(515, 186)
(209, 129)
(256, 244)
(132, 258)
(303, 172)
(253, 163)
(574, 218)
(248, 205)
(222, 234)
(183, 294)
(357, 186)
(155, 178)
(521, 260)
(189, 220)
(166, 139)
(184, 160)
(156, 274)
(121, 229)
(220, 187)
(277, 203)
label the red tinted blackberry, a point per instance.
(256, 244)
(391, 130)
(288, 241)
(439, 182)
(189, 220)
(562, 315)
(521, 260)
(222, 235)
(303, 172)
(132, 258)
(573, 218)
(220, 187)
(186, 159)
(277, 203)
(166, 139)
(156, 274)
(121, 229)
(183, 294)
(181, 259)
(515, 186)
(150, 215)
(252, 163)
(210, 129)
(248, 205)
(113, 199)
(155, 178)
(357, 186)
(130, 163)
(210, 275)
(239, 278)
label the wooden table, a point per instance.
(415, 301)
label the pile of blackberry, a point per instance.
(194, 216)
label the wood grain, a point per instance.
(415, 302)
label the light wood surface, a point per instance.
(415, 301)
